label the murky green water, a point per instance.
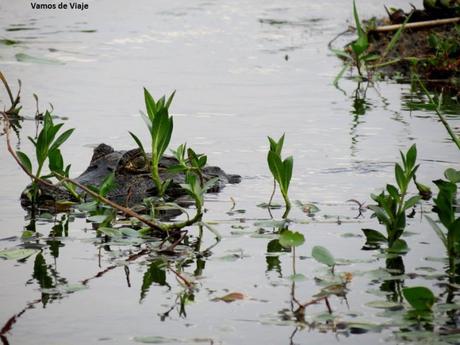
(242, 71)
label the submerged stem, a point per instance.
(288, 205)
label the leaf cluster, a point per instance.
(446, 207)
(280, 169)
(160, 126)
(392, 205)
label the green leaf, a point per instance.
(452, 175)
(373, 236)
(25, 161)
(393, 191)
(361, 44)
(111, 232)
(170, 99)
(419, 297)
(438, 231)
(17, 254)
(107, 184)
(400, 178)
(138, 141)
(150, 105)
(411, 157)
(275, 165)
(323, 256)
(290, 239)
(412, 201)
(56, 162)
(288, 164)
(61, 139)
(399, 247)
(21, 57)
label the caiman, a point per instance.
(133, 182)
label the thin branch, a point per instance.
(416, 25)
(7, 87)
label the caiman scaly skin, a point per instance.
(133, 182)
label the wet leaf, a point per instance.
(231, 297)
(384, 305)
(272, 206)
(290, 239)
(100, 218)
(17, 254)
(111, 232)
(298, 277)
(271, 223)
(26, 234)
(363, 327)
(21, 57)
(373, 236)
(155, 340)
(399, 247)
(323, 256)
(307, 207)
(452, 175)
(419, 297)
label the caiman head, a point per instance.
(133, 182)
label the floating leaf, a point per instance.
(323, 256)
(155, 340)
(452, 175)
(363, 327)
(17, 254)
(307, 207)
(231, 297)
(21, 57)
(298, 277)
(111, 232)
(97, 218)
(26, 234)
(373, 236)
(419, 297)
(290, 239)
(399, 247)
(384, 305)
(271, 206)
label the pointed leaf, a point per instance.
(25, 161)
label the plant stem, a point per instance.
(453, 136)
(288, 205)
(273, 194)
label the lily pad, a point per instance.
(323, 256)
(384, 305)
(21, 57)
(290, 239)
(17, 254)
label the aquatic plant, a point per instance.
(47, 149)
(280, 169)
(392, 205)
(421, 300)
(446, 207)
(160, 126)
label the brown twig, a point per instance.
(14, 101)
(416, 25)
(314, 301)
(182, 278)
